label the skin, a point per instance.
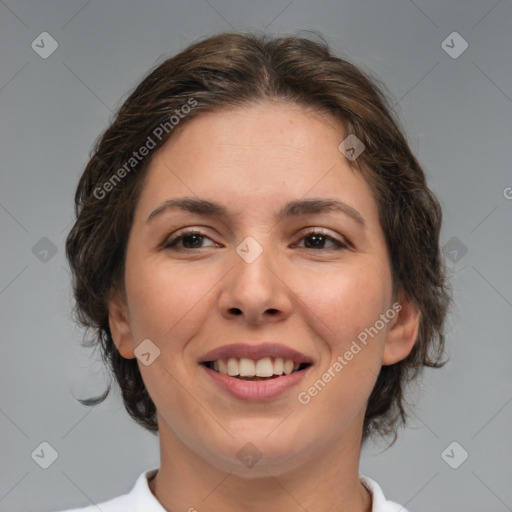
(316, 299)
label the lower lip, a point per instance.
(258, 390)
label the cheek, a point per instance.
(168, 305)
(165, 300)
(345, 300)
(346, 305)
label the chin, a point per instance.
(259, 455)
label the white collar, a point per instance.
(141, 499)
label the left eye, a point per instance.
(193, 239)
(319, 238)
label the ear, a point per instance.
(403, 331)
(119, 322)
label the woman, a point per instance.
(258, 252)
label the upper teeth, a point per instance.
(265, 367)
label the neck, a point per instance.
(322, 482)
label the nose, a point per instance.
(256, 292)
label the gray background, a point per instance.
(458, 115)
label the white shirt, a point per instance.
(141, 499)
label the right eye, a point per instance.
(191, 240)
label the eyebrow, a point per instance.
(291, 209)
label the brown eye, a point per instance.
(189, 239)
(317, 240)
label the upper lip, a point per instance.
(252, 351)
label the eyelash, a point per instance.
(171, 243)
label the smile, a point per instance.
(255, 370)
(249, 384)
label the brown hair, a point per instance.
(229, 70)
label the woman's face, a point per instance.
(255, 277)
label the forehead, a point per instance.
(256, 156)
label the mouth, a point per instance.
(267, 368)
(255, 372)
